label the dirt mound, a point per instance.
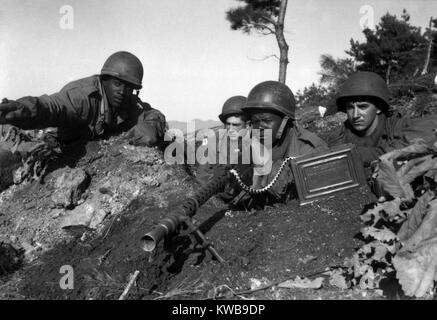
(31, 217)
(270, 244)
(134, 188)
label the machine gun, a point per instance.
(183, 216)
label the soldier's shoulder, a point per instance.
(86, 85)
(147, 110)
(336, 136)
(310, 137)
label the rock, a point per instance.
(10, 258)
(88, 215)
(69, 187)
(97, 218)
(164, 177)
(105, 190)
(138, 154)
(80, 216)
(8, 163)
(29, 205)
(110, 186)
(151, 181)
(56, 213)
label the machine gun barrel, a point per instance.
(172, 222)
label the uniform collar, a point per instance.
(289, 143)
(106, 116)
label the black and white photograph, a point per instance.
(216, 157)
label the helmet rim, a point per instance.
(272, 96)
(363, 84)
(125, 66)
(341, 102)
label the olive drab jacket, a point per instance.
(81, 111)
(393, 132)
(296, 142)
(221, 151)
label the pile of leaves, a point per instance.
(400, 231)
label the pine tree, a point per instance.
(395, 49)
(264, 17)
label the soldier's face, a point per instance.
(361, 115)
(235, 125)
(117, 91)
(268, 123)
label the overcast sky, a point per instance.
(193, 61)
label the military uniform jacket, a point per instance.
(81, 111)
(393, 132)
(295, 142)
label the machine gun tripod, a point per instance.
(183, 217)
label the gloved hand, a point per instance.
(10, 111)
(248, 201)
(138, 138)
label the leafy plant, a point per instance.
(400, 231)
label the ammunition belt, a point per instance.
(252, 190)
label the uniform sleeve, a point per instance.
(56, 110)
(369, 154)
(311, 143)
(284, 180)
(419, 128)
(149, 129)
(393, 138)
(336, 137)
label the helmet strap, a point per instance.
(282, 127)
(137, 92)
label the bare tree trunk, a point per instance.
(283, 46)
(428, 55)
(387, 74)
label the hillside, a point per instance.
(91, 217)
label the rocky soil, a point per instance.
(91, 216)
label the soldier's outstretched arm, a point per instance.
(55, 110)
(9, 111)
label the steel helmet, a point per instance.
(125, 66)
(232, 106)
(272, 95)
(364, 84)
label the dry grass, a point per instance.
(184, 289)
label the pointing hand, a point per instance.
(10, 111)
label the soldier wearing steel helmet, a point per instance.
(271, 108)
(371, 124)
(89, 108)
(92, 106)
(236, 122)
(232, 115)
